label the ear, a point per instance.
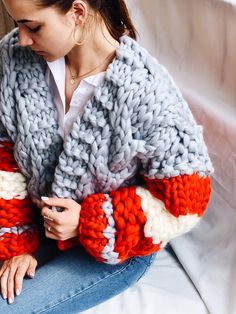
(80, 11)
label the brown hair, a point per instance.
(114, 13)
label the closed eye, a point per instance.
(34, 30)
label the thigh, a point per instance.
(72, 282)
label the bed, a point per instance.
(196, 41)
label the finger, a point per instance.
(61, 202)
(50, 215)
(3, 268)
(19, 276)
(49, 218)
(48, 227)
(51, 235)
(10, 284)
(55, 233)
(3, 282)
(55, 224)
(51, 226)
(32, 267)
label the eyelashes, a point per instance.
(34, 30)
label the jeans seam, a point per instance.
(152, 257)
(89, 287)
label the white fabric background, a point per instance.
(196, 41)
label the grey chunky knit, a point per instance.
(137, 123)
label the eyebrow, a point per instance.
(25, 21)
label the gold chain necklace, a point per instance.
(75, 77)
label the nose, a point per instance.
(24, 37)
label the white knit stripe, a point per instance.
(16, 230)
(108, 253)
(4, 139)
(12, 185)
(161, 226)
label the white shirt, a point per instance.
(55, 77)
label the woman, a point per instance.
(108, 147)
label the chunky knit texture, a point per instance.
(136, 141)
(18, 234)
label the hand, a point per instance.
(61, 225)
(12, 273)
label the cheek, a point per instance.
(62, 42)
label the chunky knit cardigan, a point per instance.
(135, 158)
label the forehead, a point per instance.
(24, 6)
(26, 9)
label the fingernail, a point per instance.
(48, 218)
(10, 300)
(31, 275)
(44, 198)
(17, 291)
(4, 296)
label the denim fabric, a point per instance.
(72, 281)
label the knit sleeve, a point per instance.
(139, 220)
(175, 171)
(136, 221)
(18, 232)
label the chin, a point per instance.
(49, 58)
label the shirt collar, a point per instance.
(57, 69)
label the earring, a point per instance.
(78, 42)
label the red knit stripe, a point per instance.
(67, 244)
(15, 212)
(92, 224)
(185, 194)
(12, 244)
(130, 220)
(7, 161)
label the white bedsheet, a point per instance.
(208, 253)
(165, 289)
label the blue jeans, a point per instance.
(72, 281)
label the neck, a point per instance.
(92, 53)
